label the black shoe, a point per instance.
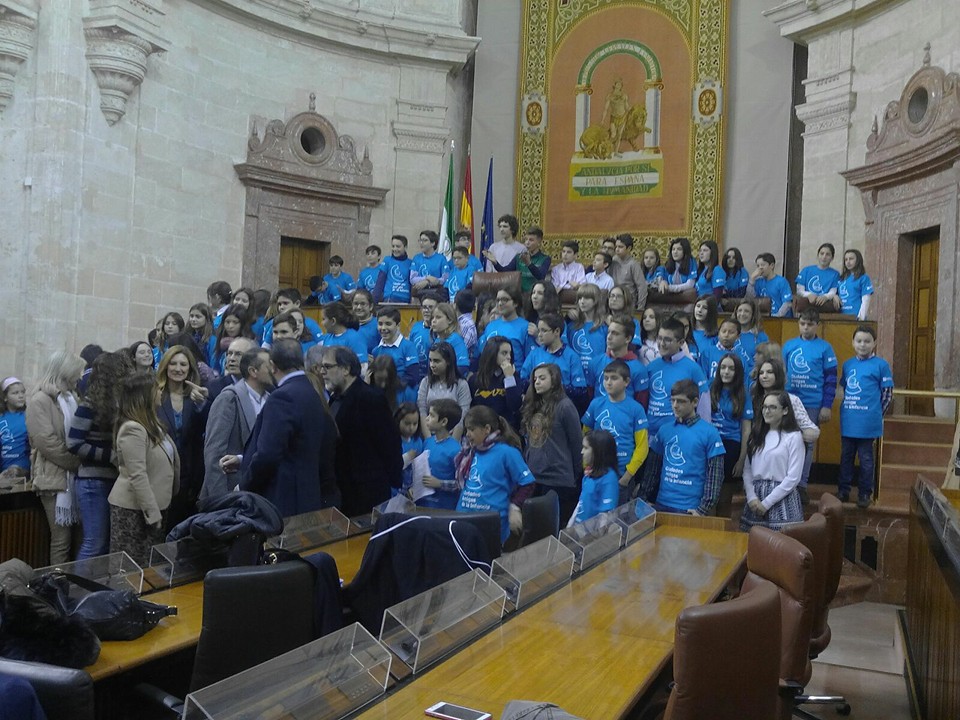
(843, 497)
(804, 497)
(863, 501)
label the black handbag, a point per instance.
(112, 614)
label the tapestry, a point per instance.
(621, 120)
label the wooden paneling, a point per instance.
(23, 531)
(922, 345)
(300, 260)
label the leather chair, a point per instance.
(489, 283)
(725, 658)
(786, 563)
(64, 693)
(832, 509)
(541, 518)
(488, 523)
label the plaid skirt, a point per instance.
(787, 511)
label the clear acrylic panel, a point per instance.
(425, 628)
(531, 572)
(312, 529)
(183, 561)
(593, 540)
(396, 504)
(326, 679)
(116, 570)
(637, 519)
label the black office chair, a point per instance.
(64, 693)
(488, 523)
(541, 518)
(250, 615)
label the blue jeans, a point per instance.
(850, 448)
(94, 516)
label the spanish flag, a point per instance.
(466, 204)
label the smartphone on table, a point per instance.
(449, 711)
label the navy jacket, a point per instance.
(282, 460)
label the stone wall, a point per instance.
(119, 195)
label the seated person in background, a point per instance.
(507, 248)
(532, 263)
(367, 279)
(569, 274)
(599, 276)
(710, 276)
(428, 270)
(685, 470)
(855, 288)
(652, 267)
(765, 283)
(444, 415)
(459, 272)
(680, 270)
(736, 276)
(393, 284)
(628, 271)
(818, 283)
(337, 283)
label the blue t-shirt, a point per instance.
(736, 285)
(817, 280)
(458, 280)
(681, 274)
(415, 443)
(434, 265)
(707, 282)
(851, 291)
(726, 423)
(367, 279)
(656, 274)
(336, 286)
(351, 339)
(712, 354)
(639, 378)
(777, 289)
(806, 361)
(397, 286)
(750, 340)
(597, 495)
(404, 357)
(513, 330)
(495, 475)
(663, 375)
(419, 335)
(685, 450)
(571, 371)
(309, 323)
(459, 349)
(861, 412)
(406, 394)
(370, 334)
(14, 442)
(587, 341)
(621, 419)
(442, 467)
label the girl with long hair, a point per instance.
(855, 288)
(14, 440)
(491, 471)
(234, 323)
(747, 314)
(773, 466)
(442, 381)
(170, 324)
(141, 353)
(543, 300)
(731, 413)
(710, 276)
(509, 324)
(444, 327)
(653, 269)
(600, 484)
(705, 314)
(551, 427)
(200, 327)
(383, 374)
(496, 382)
(648, 351)
(680, 269)
(149, 468)
(587, 332)
(736, 277)
(620, 301)
(771, 376)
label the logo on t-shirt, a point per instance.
(815, 285)
(853, 383)
(583, 345)
(606, 423)
(672, 453)
(657, 390)
(842, 291)
(798, 363)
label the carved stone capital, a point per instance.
(827, 114)
(121, 35)
(417, 138)
(18, 32)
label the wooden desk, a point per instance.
(183, 630)
(593, 646)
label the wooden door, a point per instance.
(923, 324)
(300, 260)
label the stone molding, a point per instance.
(18, 34)
(364, 32)
(827, 114)
(121, 35)
(801, 20)
(419, 127)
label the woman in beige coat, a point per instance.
(149, 472)
(52, 465)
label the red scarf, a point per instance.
(464, 458)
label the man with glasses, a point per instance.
(369, 457)
(231, 370)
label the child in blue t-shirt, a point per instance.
(731, 411)
(818, 283)
(854, 289)
(491, 470)
(622, 417)
(367, 278)
(551, 350)
(867, 385)
(671, 366)
(443, 448)
(419, 333)
(336, 284)
(459, 273)
(765, 283)
(393, 285)
(394, 344)
(14, 442)
(407, 418)
(727, 341)
(600, 489)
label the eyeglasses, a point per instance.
(765, 408)
(503, 300)
(328, 366)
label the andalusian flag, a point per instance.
(466, 204)
(445, 247)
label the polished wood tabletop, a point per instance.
(183, 630)
(593, 646)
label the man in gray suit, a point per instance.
(231, 421)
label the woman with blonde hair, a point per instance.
(48, 415)
(149, 472)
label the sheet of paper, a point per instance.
(421, 467)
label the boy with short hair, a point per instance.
(569, 274)
(367, 279)
(459, 273)
(622, 417)
(619, 333)
(336, 284)
(765, 283)
(393, 284)
(394, 344)
(673, 365)
(428, 269)
(685, 471)
(728, 341)
(867, 385)
(811, 366)
(550, 349)
(289, 299)
(598, 276)
(464, 239)
(443, 416)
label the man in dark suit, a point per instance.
(231, 374)
(282, 458)
(369, 457)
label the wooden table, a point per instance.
(592, 647)
(183, 630)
